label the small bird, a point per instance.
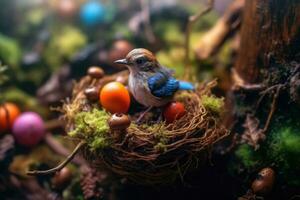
(151, 84)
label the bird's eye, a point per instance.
(140, 61)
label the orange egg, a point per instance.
(115, 98)
(8, 114)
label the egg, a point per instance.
(115, 98)
(8, 114)
(28, 129)
(174, 111)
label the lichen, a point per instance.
(212, 103)
(92, 126)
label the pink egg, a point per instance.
(28, 129)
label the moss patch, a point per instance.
(247, 156)
(92, 126)
(212, 103)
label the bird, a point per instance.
(150, 83)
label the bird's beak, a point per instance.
(122, 62)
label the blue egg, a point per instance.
(92, 13)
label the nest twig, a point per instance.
(156, 154)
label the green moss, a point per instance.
(212, 103)
(285, 147)
(246, 155)
(92, 126)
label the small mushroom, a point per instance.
(62, 178)
(95, 72)
(119, 121)
(92, 93)
(264, 182)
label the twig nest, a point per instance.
(264, 182)
(92, 93)
(62, 178)
(95, 72)
(151, 152)
(119, 121)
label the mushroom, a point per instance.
(264, 182)
(95, 72)
(119, 121)
(62, 178)
(92, 93)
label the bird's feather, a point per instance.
(183, 85)
(162, 85)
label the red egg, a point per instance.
(174, 111)
(115, 98)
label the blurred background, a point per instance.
(46, 45)
(47, 42)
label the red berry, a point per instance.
(173, 111)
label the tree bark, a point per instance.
(270, 28)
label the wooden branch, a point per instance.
(61, 165)
(58, 148)
(225, 27)
(53, 124)
(190, 24)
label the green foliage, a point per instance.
(286, 141)
(3, 76)
(24, 100)
(212, 103)
(63, 45)
(173, 59)
(92, 126)
(285, 152)
(10, 52)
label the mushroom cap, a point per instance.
(264, 182)
(95, 72)
(92, 93)
(119, 121)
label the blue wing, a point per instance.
(162, 85)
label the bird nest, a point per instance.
(151, 152)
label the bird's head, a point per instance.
(139, 60)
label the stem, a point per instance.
(58, 148)
(273, 107)
(191, 21)
(61, 165)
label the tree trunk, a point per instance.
(270, 28)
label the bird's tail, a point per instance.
(183, 85)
